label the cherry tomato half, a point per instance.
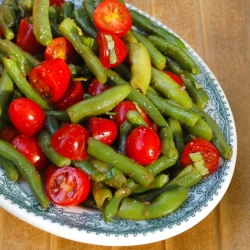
(61, 48)
(51, 79)
(102, 129)
(174, 77)
(73, 95)
(112, 50)
(26, 115)
(26, 38)
(67, 186)
(143, 145)
(96, 88)
(58, 3)
(121, 110)
(208, 151)
(112, 17)
(71, 141)
(30, 148)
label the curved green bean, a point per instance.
(9, 169)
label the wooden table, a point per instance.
(219, 31)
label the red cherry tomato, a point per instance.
(121, 110)
(96, 88)
(102, 129)
(143, 145)
(208, 151)
(112, 50)
(9, 134)
(58, 3)
(67, 186)
(61, 48)
(73, 95)
(71, 141)
(26, 115)
(30, 148)
(1, 32)
(174, 77)
(26, 38)
(112, 17)
(51, 79)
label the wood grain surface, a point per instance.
(219, 31)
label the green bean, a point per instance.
(160, 181)
(163, 205)
(27, 170)
(197, 93)
(8, 32)
(164, 84)
(41, 24)
(157, 58)
(89, 6)
(52, 124)
(115, 178)
(133, 116)
(179, 144)
(218, 139)
(111, 208)
(70, 30)
(44, 140)
(173, 110)
(129, 38)
(119, 161)
(101, 193)
(61, 115)
(149, 27)
(9, 12)
(168, 148)
(139, 59)
(161, 164)
(201, 129)
(55, 30)
(139, 98)
(123, 71)
(9, 169)
(54, 14)
(6, 89)
(25, 6)
(178, 55)
(89, 170)
(84, 23)
(98, 104)
(124, 130)
(67, 10)
(23, 84)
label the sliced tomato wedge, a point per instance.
(67, 186)
(51, 79)
(73, 95)
(112, 50)
(112, 17)
(61, 48)
(26, 38)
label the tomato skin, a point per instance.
(143, 145)
(30, 148)
(67, 186)
(51, 79)
(208, 151)
(112, 17)
(58, 3)
(9, 134)
(48, 171)
(61, 48)
(111, 58)
(27, 116)
(121, 110)
(73, 95)
(71, 141)
(174, 77)
(26, 39)
(102, 129)
(96, 88)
